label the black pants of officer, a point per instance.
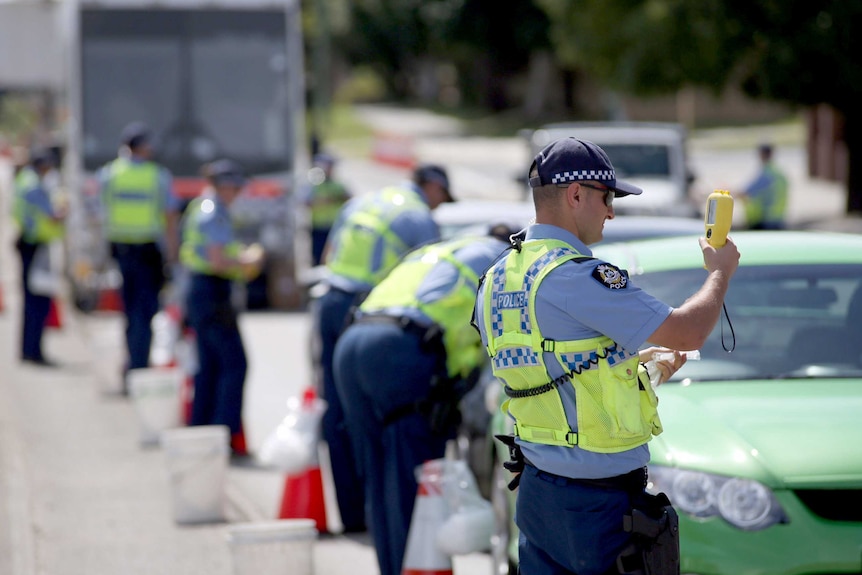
(333, 309)
(222, 362)
(36, 307)
(379, 369)
(141, 266)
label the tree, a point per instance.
(801, 53)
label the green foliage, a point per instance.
(797, 52)
(18, 118)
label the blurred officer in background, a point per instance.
(765, 197)
(402, 367)
(40, 221)
(215, 259)
(370, 236)
(326, 196)
(140, 218)
(563, 330)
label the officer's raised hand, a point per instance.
(724, 259)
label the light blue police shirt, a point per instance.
(414, 227)
(214, 224)
(571, 304)
(37, 199)
(445, 276)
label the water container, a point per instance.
(283, 547)
(197, 464)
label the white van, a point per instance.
(650, 155)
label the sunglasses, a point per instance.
(609, 193)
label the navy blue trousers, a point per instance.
(379, 368)
(222, 362)
(36, 307)
(333, 309)
(568, 528)
(318, 242)
(143, 277)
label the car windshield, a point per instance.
(639, 160)
(789, 321)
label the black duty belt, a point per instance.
(428, 335)
(633, 481)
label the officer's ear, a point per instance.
(573, 194)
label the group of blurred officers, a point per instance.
(151, 235)
(407, 322)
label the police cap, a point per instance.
(226, 171)
(135, 135)
(433, 173)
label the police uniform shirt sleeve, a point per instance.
(170, 199)
(581, 300)
(216, 227)
(416, 228)
(38, 198)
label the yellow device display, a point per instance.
(719, 215)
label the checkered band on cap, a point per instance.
(579, 175)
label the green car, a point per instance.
(761, 453)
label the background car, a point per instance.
(651, 155)
(761, 453)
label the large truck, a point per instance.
(212, 79)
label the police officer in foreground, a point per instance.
(402, 367)
(215, 260)
(371, 235)
(140, 219)
(563, 330)
(40, 222)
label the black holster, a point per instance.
(516, 459)
(654, 548)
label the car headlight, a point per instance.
(744, 503)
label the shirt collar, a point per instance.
(551, 232)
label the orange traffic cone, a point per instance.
(54, 319)
(422, 556)
(303, 492)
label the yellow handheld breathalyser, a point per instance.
(719, 215)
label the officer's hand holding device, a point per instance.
(719, 216)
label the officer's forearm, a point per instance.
(688, 326)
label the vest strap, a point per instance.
(546, 436)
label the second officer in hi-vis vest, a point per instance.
(369, 237)
(215, 259)
(401, 369)
(140, 215)
(563, 331)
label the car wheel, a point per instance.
(500, 541)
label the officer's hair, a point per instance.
(544, 195)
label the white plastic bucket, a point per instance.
(283, 547)
(197, 463)
(155, 393)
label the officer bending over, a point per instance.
(401, 369)
(369, 238)
(563, 331)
